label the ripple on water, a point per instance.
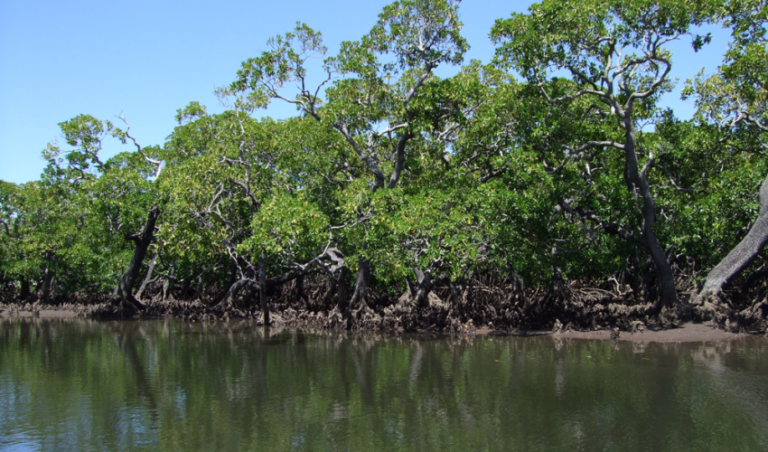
(168, 386)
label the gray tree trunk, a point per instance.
(231, 295)
(142, 241)
(420, 291)
(739, 257)
(45, 290)
(361, 284)
(637, 180)
(200, 288)
(147, 278)
(168, 282)
(262, 291)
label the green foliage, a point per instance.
(385, 161)
(286, 228)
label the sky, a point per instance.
(146, 59)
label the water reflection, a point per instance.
(167, 385)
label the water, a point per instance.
(168, 385)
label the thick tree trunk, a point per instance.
(341, 291)
(637, 181)
(739, 257)
(361, 285)
(420, 291)
(665, 278)
(186, 286)
(25, 292)
(125, 285)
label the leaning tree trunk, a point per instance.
(142, 241)
(739, 257)
(637, 180)
(230, 297)
(147, 279)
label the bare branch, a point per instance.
(648, 165)
(127, 134)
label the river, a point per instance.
(70, 384)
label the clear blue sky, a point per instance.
(146, 59)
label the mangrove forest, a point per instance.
(549, 187)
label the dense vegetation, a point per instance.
(548, 184)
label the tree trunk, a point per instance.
(168, 282)
(46, 286)
(200, 288)
(361, 284)
(125, 285)
(147, 278)
(262, 290)
(517, 290)
(186, 286)
(455, 297)
(420, 291)
(25, 292)
(234, 289)
(638, 182)
(739, 257)
(341, 291)
(299, 292)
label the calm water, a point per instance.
(168, 385)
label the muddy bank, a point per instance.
(686, 332)
(480, 307)
(290, 318)
(43, 311)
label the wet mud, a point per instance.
(478, 308)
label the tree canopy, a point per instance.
(533, 187)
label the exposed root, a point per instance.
(481, 303)
(706, 304)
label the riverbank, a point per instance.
(35, 310)
(682, 332)
(686, 332)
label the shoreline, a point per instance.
(684, 333)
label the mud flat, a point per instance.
(687, 332)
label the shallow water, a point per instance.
(168, 385)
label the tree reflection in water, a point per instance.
(169, 385)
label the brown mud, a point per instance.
(480, 308)
(685, 332)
